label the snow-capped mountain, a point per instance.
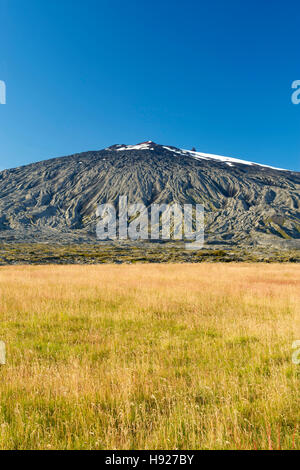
(150, 145)
(245, 202)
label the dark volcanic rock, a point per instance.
(55, 200)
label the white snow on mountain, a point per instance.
(229, 160)
(149, 145)
(142, 146)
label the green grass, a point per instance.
(150, 357)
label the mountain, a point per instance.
(245, 203)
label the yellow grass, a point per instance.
(150, 357)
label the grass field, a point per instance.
(175, 356)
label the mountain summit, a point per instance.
(245, 203)
(150, 145)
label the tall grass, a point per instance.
(150, 357)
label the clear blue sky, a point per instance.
(82, 75)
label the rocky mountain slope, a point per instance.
(245, 203)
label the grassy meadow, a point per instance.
(152, 356)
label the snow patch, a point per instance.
(149, 145)
(208, 156)
(143, 146)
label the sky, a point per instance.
(83, 75)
